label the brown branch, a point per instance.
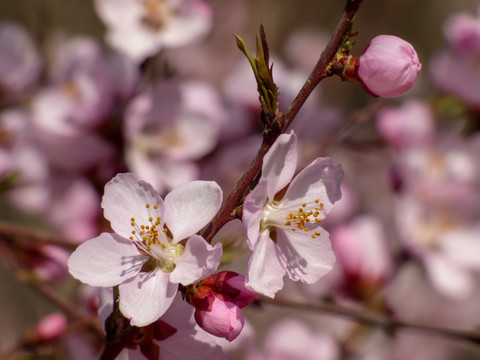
(319, 71)
(26, 236)
(225, 213)
(375, 319)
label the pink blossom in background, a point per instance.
(283, 229)
(455, 71)
(51, 327)
(462, 32)
(177, 336)
(149, 234)
(408, 126)
(168, 127)
(291, 339)
(20, 62)
(362, 250)
(389, 66)
(141, 28)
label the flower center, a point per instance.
(157, 13)
(305, 218)
(152, 238)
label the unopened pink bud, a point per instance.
(224, 319)
(389, 66)
(462, 32)
(243, 296)
(51, 327)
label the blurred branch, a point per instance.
(383, 321)
(25, 236)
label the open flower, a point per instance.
(282, 219)
(146, 256)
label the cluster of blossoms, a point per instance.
(155, 130)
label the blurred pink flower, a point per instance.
(20, 63)
(362, 251)
(462, 32)
(291, 339)
(146, 256)
(141, 28)
(389, 66)
(410, 125)
(51, 327)
(283, 228)
(168, 127)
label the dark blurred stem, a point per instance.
(383, 321)
(226, 212)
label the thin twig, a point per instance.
(23, 235)
(375, 319)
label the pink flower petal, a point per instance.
(280, 163)
(319, 180)
(308, 259)
(126, 196)
(199, 260)
(146, 297)
(190, 206)
(253, 212)
(106, 260)
(266, 267)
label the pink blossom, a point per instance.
(389, 66)
(410, 125)
(168, 127)
(176, 335)
(217, 300)
(146, 256)
(20, 63)
(223, 318)
(140, 28)
(462, 31)
(51, 327)
(291, 339)
(283, 228)
(362, 251)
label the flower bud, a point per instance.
(388, 67)
(223, 318)
(51, 327)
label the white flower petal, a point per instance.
(320, 180)
(106, 260)
(199, 260)
(253, 212)
(308, 259)
(190, 206)
(126, 196)
(146, 297)
(280, 163)
(266, 267)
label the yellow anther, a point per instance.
(131, 237)
(317, 233)
(132, 219)
(318, 220)
(306, 229)
(133, 224)
(292, 229)
(133, 232)
(300, 210)
(304, 204)
(164, 246)
(317, 201)
(313, 236)
(165, 230)
(150, 219)
(142, 233)
(155, 206)
(148, 206)
(316, 213)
